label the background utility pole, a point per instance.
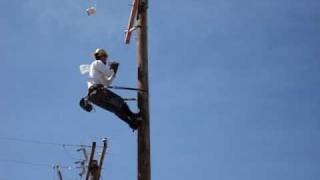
(94, 167)
(144, 164)
(91, 162)
(104, 140)
(58, 172)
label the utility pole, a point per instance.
(144, 164)
(91, 161)
(94, 167)
(57, 167)
(104, 140)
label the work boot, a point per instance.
(85, 105)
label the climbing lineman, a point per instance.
(101, 74)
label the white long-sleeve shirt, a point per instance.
(100, 73)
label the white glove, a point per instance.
(84, 68)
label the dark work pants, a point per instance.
(112, 102)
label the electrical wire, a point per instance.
(42, 142)
(35, 164)
(68, 154)
(24, 162)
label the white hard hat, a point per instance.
(100, 52)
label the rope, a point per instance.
(126, 88)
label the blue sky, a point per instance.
(234, 88)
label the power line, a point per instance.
(68, 154)
(41, 142)
(35, 164)
(24, 162)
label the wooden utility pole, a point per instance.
(58, 172)
(90, 163)
(144, 164)
(94, 167)
(102, 157)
